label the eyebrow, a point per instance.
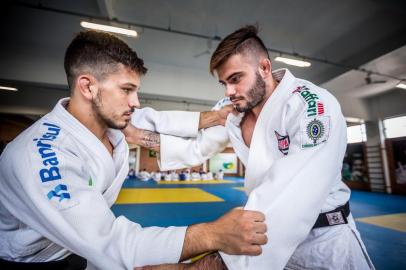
(230, 76)
(130, 85)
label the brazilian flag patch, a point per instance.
(314, 131)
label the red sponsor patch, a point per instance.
(320, 108)
(283, 143)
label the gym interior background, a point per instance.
(356, 50)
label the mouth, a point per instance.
(236, 99)
(127, 116)
(128, 113)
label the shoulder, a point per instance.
(39, 144)
(312, 100)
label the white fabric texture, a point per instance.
(167, 122)
(57, 184)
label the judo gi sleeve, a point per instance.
(292, 192)
(177, 123)
(177, 153)
(58, 203)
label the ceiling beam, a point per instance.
(106, 9)
(108, 6)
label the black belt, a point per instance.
(72, 262)
(337, 216)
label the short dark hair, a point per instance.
(241, 41)
(99, 53)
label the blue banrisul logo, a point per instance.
(60, 191)
(49, 170)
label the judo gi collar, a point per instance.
(285, 79)
(256, 168)
(81, 132)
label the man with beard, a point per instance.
(59, 178)
(291, 136)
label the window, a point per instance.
(356, 134)
(395, 127)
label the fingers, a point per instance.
(256, 215)
(242, 232)
(260, 227)
(259, 239)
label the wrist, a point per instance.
(208, 236)
(213, 237)
(219, 118)
(209, 119)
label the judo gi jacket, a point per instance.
(293, 173)
(57, 184)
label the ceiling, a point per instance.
(347, 34)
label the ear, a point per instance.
(87, 85)
(265, 68)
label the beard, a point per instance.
(103, 117)
(254, 96)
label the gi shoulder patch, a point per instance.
(314, 131)
(314, 107)
(283, 143)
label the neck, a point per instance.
(84, 113)
(268, 92)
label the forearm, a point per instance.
(144, 138)
(199, 239)
(209, 119)
(215, 118)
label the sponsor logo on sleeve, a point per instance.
(283, 143)
(49, 172)
(314, 131)
(314, 106)
(60, 191)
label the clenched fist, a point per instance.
(240, 232)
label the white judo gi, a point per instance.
(57, 184)
(293, 173)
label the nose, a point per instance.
(230, 90)
(133, 100)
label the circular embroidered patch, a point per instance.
(315, 130)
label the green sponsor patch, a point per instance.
(310, 100)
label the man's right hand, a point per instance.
(240, 232)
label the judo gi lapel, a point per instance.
(120, 154)
(234, 132)
(260, 156)
(101, 165)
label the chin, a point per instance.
(120, 125)
(241, 107)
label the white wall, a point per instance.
(389, 104)
(353, 107)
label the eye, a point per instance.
(127, 90)
(235, 79)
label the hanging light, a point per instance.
(109, 28)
